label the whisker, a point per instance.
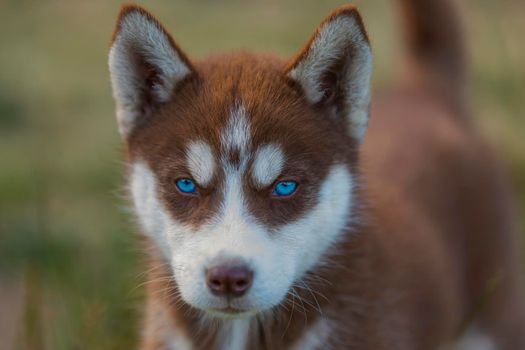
(291, 314)
(313, 296)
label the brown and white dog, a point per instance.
(274, 223)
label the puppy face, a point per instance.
(241, 167)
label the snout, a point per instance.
(233, 282)
(229, 279)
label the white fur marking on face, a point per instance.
(232, 234)
(341, 38)
(330, 216)
(139, 36)
(236, 135)
(278, 257)
(267, 165)
(152, 217)
(201, 162)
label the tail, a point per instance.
(434, 35)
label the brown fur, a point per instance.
(434, 39)
(277, 113)
(435, 230)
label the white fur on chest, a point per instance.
(473, 340)
(315, 337)
(235, 334)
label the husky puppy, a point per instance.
(280, 217)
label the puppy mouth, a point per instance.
(231, 312)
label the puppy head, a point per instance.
(241, 167)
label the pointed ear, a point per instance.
(335, 67)
(145, 66)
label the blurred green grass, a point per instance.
(68, 249)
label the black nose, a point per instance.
(229, 280)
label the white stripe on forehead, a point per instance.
(268, 164)
(235, 137)
(201, 163)
(236, 134)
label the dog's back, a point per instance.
(442, 205)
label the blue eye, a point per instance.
(186, 185)
(285, 188)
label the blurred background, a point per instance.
(70, 262)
